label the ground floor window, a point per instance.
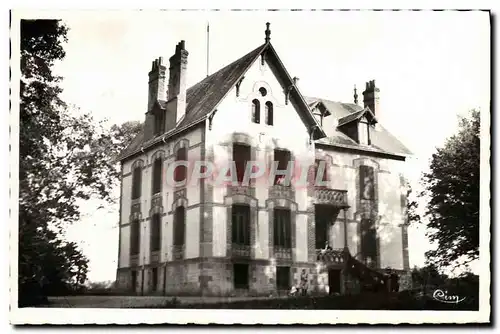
(283, 278)
(368, 241)
(133, 280)
(154, 279)
(240, 272)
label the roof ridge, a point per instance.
(211, 76)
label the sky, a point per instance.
(429, 66)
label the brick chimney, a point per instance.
(155, 119)
(157, 89)
(176, 107)
(371, 97)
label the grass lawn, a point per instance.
(366, 301)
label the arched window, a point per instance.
(136, 180)
(157, 173)
(181, 170)
(256, 111)
(269, 113)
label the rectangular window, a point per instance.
(283, 278)
(321, 227)
(240, 272)
(179, 226)
(367, 182)
(364, 136)
(282, 228)
(368, 241)
(324, 176)
(282, 157)
(157, 174)
(154, 279)
(240, 224)
(241, 155)
(156, 232)
(133, 280)
(135, 237)
(136, 182)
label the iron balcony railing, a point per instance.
(330, 196)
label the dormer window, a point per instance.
(256, 111)
(269, 113)
(357, 126)
(319, 111)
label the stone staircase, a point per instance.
(369, 279)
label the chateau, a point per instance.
(201, 238)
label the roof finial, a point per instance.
(268, 32)
(355, 95)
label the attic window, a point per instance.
(256, 111)
(263, 91)
(269, 113)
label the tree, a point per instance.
(453, 188)
(427, 277)
(65, 157)
(411, 205)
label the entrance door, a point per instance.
(334, 281)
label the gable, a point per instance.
(203, 98)
(382, 141)
(260, 86)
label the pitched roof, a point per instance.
(382, 141)
(203, 97)
(351, 117)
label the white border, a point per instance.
(142, 316)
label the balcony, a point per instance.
(240, 190)
(333, 197)
(178, 252)
(134, 260)
(280, 191)
(155, 257)
(331, 257)
(239, 250)
(282, 253)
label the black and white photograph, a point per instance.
(180, 166)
